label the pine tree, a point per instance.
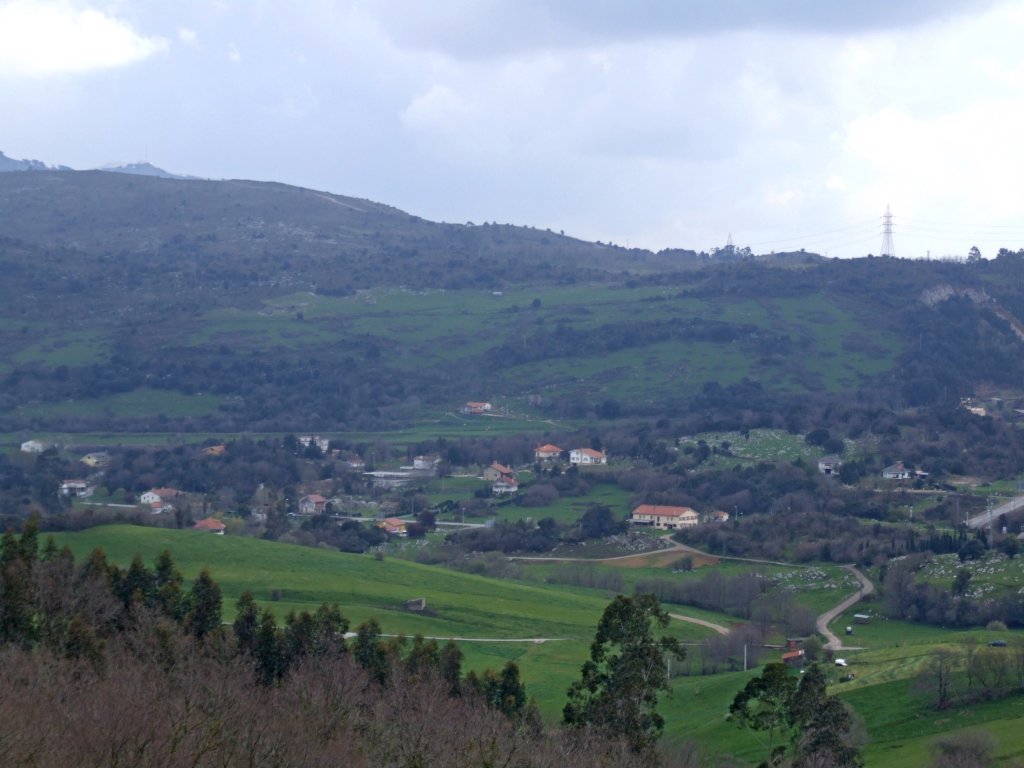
(204, 611)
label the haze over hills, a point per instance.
(256, 305)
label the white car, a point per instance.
(840, 662)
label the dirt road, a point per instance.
(835, 643)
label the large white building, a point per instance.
(664, 517)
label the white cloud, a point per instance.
(187, 36)
(234, 55)
(50, 38)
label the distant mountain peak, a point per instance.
(143, 169)
(10, 164)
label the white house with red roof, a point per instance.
(546, 452)
(477, 407)
(586, 456)
(665, 518)
(313, 504)
(166, 495)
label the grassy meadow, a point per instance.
(507, 620)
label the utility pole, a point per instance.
(887, 247)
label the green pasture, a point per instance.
(764, 445)
(137, 403)
(571, 509)
(56, 347)
(442, 327)
(900, 723)
(459, 605)
(993, 575)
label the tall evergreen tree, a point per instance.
(617, 692)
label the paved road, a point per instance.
(866, 588)
(982, 520)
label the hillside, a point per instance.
(136, 303)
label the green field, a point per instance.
(459, 605)
(900, 724)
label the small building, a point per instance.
(546, 452)
(474, 407)
(74, 488)
(96, 459)
(718, 516)
(34, 446)
(896, 472)
(587, 456)
(215, 450)
(166, 495)
(829, 465)
(160, 507)
(313, 504)
(498, 471)
(320, 442)
(664, 518)
(793, 658)
(861, 618)
(426, 463)
(505, 485)
(393, 526)
(211, 525)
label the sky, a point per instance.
(654, 123)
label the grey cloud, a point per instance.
(500, 27)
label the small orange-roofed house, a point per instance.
(211, 524)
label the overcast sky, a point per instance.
(653, 123)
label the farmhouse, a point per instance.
(497, 472)
(546, 452)
(587, 456)
(896, 472)
(829, 465)
(211, 524)
(166, 495)
(477, 407)
(718, 516)
(664, 517)
(313, 504)
(393, 526)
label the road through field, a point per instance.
(835, 643)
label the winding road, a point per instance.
(835, 643)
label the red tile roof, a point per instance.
(663, 511)
(209, 524)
